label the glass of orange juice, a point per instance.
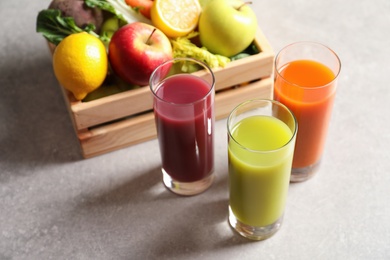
(305, 81)
(261, 138)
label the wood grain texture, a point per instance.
(126, 118)
(141, 128)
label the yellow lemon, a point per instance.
(175, 18)
(80, 63)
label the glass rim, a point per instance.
(313, 43)
(266, 101)
(178, 59)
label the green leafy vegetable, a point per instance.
(55, 28)
(118, 8)
(251, 50)
(104, 5)
(183, 47)
(240, 56)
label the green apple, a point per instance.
(110, 26)
(227, 27)
(203, 3)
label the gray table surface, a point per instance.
(56, 205)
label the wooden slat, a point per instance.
(118, 135)
(96, 112)
(227, 100)
(126, 118)
(141, 128)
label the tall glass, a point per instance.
(305, 81)
(261, 139)
(183, 94)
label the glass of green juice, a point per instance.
(261, 140)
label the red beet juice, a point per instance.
(184, 115)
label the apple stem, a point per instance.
(245, 3)
(150, 36)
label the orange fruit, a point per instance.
(80, 63)
(175, 18)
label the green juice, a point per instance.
(260, 156)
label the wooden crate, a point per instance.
(126, 118)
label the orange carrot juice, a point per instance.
(307, 88)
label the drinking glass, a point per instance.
(261, 139)
(183, 103)
(305, 81)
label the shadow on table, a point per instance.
(36, 127)
(136, 190)
(141, 211)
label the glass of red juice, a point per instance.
(183, 103)
(305, 81)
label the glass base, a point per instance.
(305, 173)
(187, 188)
(252, 232)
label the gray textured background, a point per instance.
(55, 205)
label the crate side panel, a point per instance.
(244, 70)
(118, 135)
(262, 42)
(142, 128)
(227, 100)
(112, 107)
(137, 101)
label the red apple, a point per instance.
(136, 49)
(143, 6)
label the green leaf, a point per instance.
(104, 5)
(55, 28)
(120, 9)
